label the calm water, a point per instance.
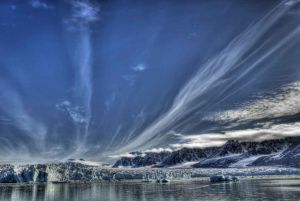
(193, 190)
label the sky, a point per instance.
(97, 79)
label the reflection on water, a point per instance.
(191, 190)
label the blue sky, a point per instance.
(89, 79)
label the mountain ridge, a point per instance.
(234, 153)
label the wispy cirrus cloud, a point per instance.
(17, 114)
(84, 12)
(76, 114)
(132, 77)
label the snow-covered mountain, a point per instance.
(276, 152)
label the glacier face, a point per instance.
(76, 172)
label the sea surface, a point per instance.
(250, 189)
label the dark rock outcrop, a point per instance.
(183, 155)
(7, 174)
(148, 159)
(231, 147)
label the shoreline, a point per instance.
(133, 181)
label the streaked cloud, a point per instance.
(259, 134)
(158, 150)
(284, 103)
(291, 2)
(127, 155)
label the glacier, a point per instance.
(60, 172)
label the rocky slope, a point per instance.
(278, 152)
